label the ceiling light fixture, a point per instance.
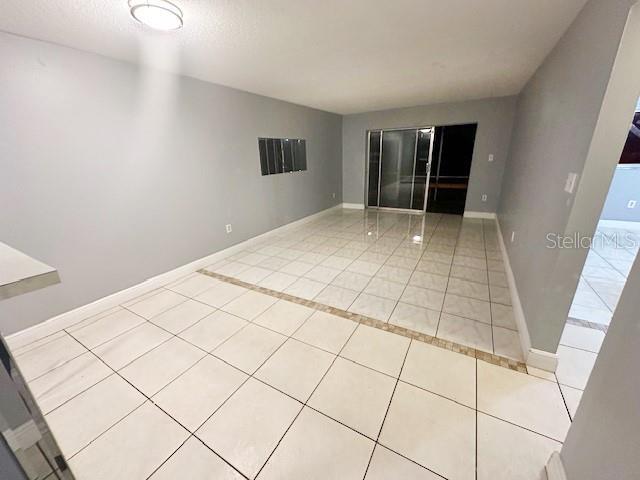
(157, 14)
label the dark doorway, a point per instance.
(450, 168)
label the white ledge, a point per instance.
(20, 273)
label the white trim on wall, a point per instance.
(355, 206)
(533, 357)
(65, 320)
(486, 215)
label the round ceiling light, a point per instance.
(157, 14)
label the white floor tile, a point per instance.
(68, 380)
(253, 274)
(466, 332)
(250, 347)
(194, 461)
(297, 268)
(46, 357)
(471, 274)
(377, 349)
(284, 317)
(525, 400)
(352, 281)
(386, 465)
(132, 449)
(105, 328)
(125, 348)
(193, 285)
(305, 288)
(596, 315)
(295, 369)
(384, 288)
(336, 297)
(82, 419)
(431, 281)
(182, 316)
(326, 331)
(322, 274)
(247, 428)
(572, 397)
(465, 288)
(221, 294)
(363, 268)
(273, 263)
(467, 307)
(372, 306)
(156, 304)
(508, 452)
(507, 343)
(435, 432)
(155, 369)
(249, 305)
(415, 318)
(574, 366)
(197, 393)
(318, 448)
(232, 269)
(441, 371)
(423, 297)
(394, 274)
(211, 331)
(355, 396)
(581, 337)
(278, 281)
(502, 316)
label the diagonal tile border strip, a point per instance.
(372, 322)
(587, 324)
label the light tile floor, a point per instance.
(205, 379)
(279, 390)
(603, 277)
(437, 274)
(605, 271)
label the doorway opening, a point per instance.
(612, 252)
(449, 181)
(420, 169)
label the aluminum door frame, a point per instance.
(432, 130)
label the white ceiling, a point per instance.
(343, 56)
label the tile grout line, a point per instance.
(304, 404)
(384, 419)
(358, 318)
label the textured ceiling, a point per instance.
(343, 56)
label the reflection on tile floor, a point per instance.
(603, 277)
(441, 275)
(206, 379)
(605, 271)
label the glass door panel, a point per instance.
(396, 168)
(374, 167)
(423, 166)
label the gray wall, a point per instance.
(562, 126)
(624, 187)
(494, 118)
(604, 439)
(114, 174)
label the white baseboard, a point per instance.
(66, 319)
(355, 206)
(487, 215)
(555, 468)
(543, 360)
(518, 313)
(533, 357)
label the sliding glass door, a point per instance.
(399, 162)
